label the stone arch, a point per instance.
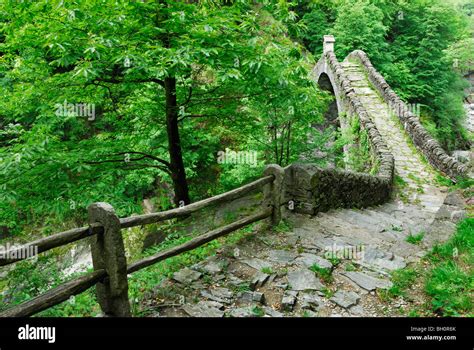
(324, 77)
(331, 116)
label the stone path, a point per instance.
(409, 165)
(332, 264)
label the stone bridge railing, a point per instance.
(425, 143)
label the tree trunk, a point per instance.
(178, 173)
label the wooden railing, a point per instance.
(110, 275)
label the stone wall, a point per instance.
(428, 146)
(312, 189)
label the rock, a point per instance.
(234, 280)
(186, 276)
(282, 285)
(242, 312)
(310, 301)
(308, 260)
(257, 264)
(212, 297)
(448, 212)
(367, 282)
(204, 309)
(199, 285)
(272, 278)
(288, 301)
(272, 313)
(385, 260)
(259, 297)
(309, 313)
(395, 264)
(304, 279)
(221, 295)
(212, 267)
(345, 299)
(357, 310)
(281, 256)
(253, 297)
(462, 156)
(454, 199)
(219, 277)
(258, 280)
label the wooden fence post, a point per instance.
(273, 192)
(108, 253)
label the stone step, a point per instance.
(344, 228)
(375, 225)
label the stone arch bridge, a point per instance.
(359, 224)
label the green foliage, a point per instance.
(324, 273)
(358, 156)
(283, 226)
(258, 311)
(451, 289)
(448, 277)
(401, 279)
(415, 239)
(419, 46)
(242, 84)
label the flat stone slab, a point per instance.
(204, 309)
(212, 267)
(308, 260)
(345, 299)
(253, 297)
(281, 256)
(385, 260)
(186, 276)
(368, 282)
(310, 301)
(304, 279)
(257, 264)
(271, 312)
(242, 312)
(220, 295)
(259, 280)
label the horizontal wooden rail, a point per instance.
(198, 241)
(53, 241)
(108, 252)
(55, 296)
(59, 239)
(65, 291)
(193, 207)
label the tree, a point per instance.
(168, 82)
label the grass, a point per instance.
(415, 239)
(399, 182)
(283, 226)
(450, 283)
(328, 293)
(267, 270)
(401, 279)
(258, 311)
(350, 267)
(324, 273)
(446, 275)
(397, 228)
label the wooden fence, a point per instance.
(110, 275)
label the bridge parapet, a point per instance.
(424, 142)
